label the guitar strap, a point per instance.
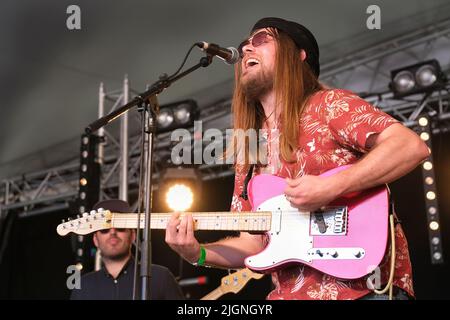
(244, 194)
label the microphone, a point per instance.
(229, 55)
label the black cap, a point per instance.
(113, 205)
(302, 37)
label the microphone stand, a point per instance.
(148, 127)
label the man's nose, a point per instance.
(248, 48)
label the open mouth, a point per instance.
(251, 62)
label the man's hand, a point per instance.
(309, 193)
(180, 237)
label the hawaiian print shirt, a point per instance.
(333, 132)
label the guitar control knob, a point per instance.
(85, 214)
(93, 212)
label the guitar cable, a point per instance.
(389, 285)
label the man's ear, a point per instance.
(133, 235)
(95, 239)
(302, 55)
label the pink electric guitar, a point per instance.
(346, 240)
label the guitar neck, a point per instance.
(229, 221)
(214, 295)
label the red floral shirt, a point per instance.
(333, 132)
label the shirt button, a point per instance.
(125, 272)
(115, 281)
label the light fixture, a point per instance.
(175, 115)
(179, 189)
(88, 191)
(423, 121)
(424, 136)
(429, 185)
(427, 165)
(165, 119)
(434, 225)
(418, 78)
(179, 197)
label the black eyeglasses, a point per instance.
(104, 231)
(256, 40)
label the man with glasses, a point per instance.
(310, 129)
(115, 280)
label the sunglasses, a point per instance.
(105, 231)
(256, 40)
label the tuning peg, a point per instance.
(85, 214)
(78, 216)
(63, 221)
(68, 219)
(93, 212)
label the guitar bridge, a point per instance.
(330, 221)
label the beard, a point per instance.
(256, 85)
(115, 253)
(116, 256)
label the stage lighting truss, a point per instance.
(176, 115)
(418, 78)
(430, 192)
(180, 188)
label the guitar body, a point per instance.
(347, 240)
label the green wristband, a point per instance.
(202, 259)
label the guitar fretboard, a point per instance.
(239, 221)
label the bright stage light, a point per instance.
(179, 197)
(427, 165)
(423, 122)
(425, 136)
(434, 225)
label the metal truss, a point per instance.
(365, 72)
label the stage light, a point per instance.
(423, 121)
(179, 189)
(424, 136)
(175, 115)
(426, 75)
(427, 165)
(418, 78)
(431, 195)
(165, 119)
(429, 189)
(179, 197)
(437, 256)
(182, 114)
(434, 225)
(403, 81)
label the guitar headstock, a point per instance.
(237, 280)
(86, 223)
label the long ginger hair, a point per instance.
(294, 82)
